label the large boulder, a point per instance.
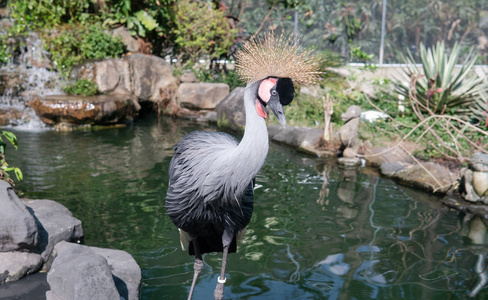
(301, 138)
(151, 77)
(82, 272)
(113, 77)
(427, 176)
(55, 223)
(231, 112)
(82, 110)
(201, 95)
(15, 265)
(147, 77)
(18, 228)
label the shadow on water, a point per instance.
(318, 231)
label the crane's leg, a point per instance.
(226, 241)
(197, 266)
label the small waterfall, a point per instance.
(23, 77)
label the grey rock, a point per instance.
(391, 168)
(298, 137)
(201, 95)
(129, 41)
(113, 77)
(55, 222)
(18, 228)
(349, 162)
(15, 265)
(151, 76)
(379, 155)
(188, 76)
(428, 176)
(348, 133)
(81, 276)
(30, 287)
(124, 271)
(479, 162)
(231, 112)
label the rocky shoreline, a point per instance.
(42, 237)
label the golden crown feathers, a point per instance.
(277, 57)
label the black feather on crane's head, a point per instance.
(286, 90)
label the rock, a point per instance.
(18, 228)
(56, 224)
(129, 41)
(81, 276)
(479, 162)
(15, 265)
(151, 76)
(430, 177)
(201, 95)
(391, 168)
(112, 77)
(188, 76)
(348, 132)
(304, 139)
(378, 155)
(349, 162)
(116, 272)
(147, 77)
(27, 288)
(231, 112)
(11, 115)
(81, 110)
(12, 83)
(480, 183)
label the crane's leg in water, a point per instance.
(226, 241)
(197, 266)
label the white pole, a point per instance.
(296, 26)
(383, 21)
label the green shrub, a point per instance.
(201, 30)
(82, 87)
(72, 45)
(46, 13)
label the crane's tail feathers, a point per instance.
(240, 235)
(185, 239)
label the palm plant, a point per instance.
(442, 87)
(480, 110)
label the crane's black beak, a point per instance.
(281, 96)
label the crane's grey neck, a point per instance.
(254, 145)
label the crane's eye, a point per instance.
(273, 93)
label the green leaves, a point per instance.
(11, 138)
(82, 87)
(4, 166)
(441, 86)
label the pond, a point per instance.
(318, 231)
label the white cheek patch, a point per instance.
(265, 87)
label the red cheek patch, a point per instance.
(260, 109)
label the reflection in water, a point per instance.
(318, 231)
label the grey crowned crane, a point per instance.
(211, 175)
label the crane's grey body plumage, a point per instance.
(211, 180)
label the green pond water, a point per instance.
(318, 232)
